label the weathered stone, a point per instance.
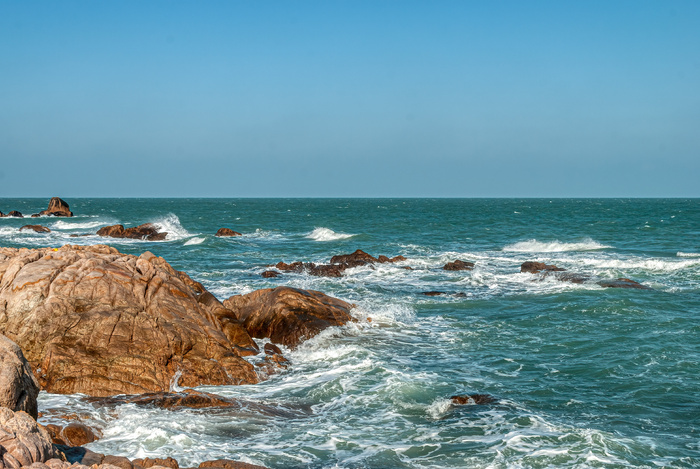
(37, 228)
(22, 440)
(187, 398)
(536, 267)
(118, 461)
(459, 265)
(57, 208)
(147, 232)
(270, 274)
(226, 232)
(15, 213)
(288, 315)
(355, 257)
(152, 462)
(99, 322)
(79, 434)
(623, 283)
(18, 386)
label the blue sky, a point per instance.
(350, 98)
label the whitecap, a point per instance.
(438, 409)
(194, 241)
(326, 234)
(534, 245)
(66, 225)
(171, 225)
(687, 254)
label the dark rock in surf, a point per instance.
(15, 213)
(537, 267)
(270, 274)
(622, 283)
(57, 208)
(37, 228)
(147, 232)
(338, 264)
(227, 232)
(458, 265)
(433, 293)
(287, 315)
(472, 399)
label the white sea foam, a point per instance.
(687, 254)
(66, 225)
(326, 234)
(534, 245)
(194, 241)
(171, 225)
(438, 408)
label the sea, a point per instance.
(580, 375)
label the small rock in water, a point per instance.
(459, 265)
(227, 232)
(15, 213)
(537, 267)
(623, 283)
(270, 274)
(473, 399)
(37, 228)
(433, 293)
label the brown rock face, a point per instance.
(147, 232)
(536, 267)
(270, 274)
(15, 213)
(92, 320)
(57, 208)
(288, 315)
(478, 399)
(78, 434)
(459, 265)
(338, 264)
(22, 441)
(37, 228)
(227, 232)
(18, 387)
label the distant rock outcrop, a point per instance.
(226, 232)
(147, 232)
(458, 265)
(57, 208)
(92, 320)
(37, 228)
(288, 315)
(564, 276)
(338, 264)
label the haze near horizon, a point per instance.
(349, 99)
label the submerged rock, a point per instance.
(564, 276)
(227, 232)
(537, 267)
(287, 315)
(92, 320)
(37, 228)
(337, 265)
(57, 208)
(270, 274)
(147, 232)
(18, 386)
(473, 399)
(622, 283)
(458, 265)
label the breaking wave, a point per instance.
(533, 245)
(326, 234)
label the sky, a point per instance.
(379, 98)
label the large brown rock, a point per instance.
(15, 213)
(92, 320)
(57, 208)
(23, 441)
(147, 232)
(225, 232)
(18, 387)
(287, 315)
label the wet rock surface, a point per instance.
(36, 228)
(147, 232)
(227, 232)
(288, 315)
(458, 265)
(338, 264)
(564, 276)
(473, 399)
(98, 322)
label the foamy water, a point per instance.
(326, 234)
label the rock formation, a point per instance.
(57, 208)
(92, 320)
(225, 232)
(562, 275)
(37, 228)
(337, 265)
(458, 265)
(23, 442)
(288, 315)
(18, 387)
(147, 232)
(15, 213)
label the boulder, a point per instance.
(15, 213)
(458, 265)
(270, 274)
(18, 386)
(227, 232)
(537, 267)
(358, 257)
(160, 462)
(287, 315)
(622, 283)
(37, 228)
(147, 232)
(57, 208)
(22, 440)
(92, 320)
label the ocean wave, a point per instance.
(171, 225)
(687, 254)
(66, 225)
(533, 245)
(194, 241)
(326, 234)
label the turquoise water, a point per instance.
(583, 376)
